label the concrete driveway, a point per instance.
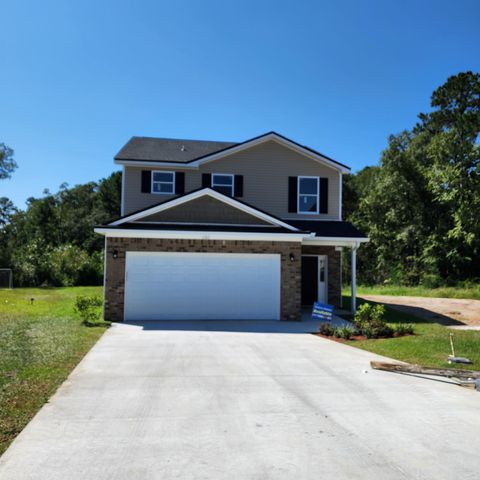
(159, 403)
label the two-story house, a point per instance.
(216, 230)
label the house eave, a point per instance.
(199, 235)
(335, 241)
(156, 163)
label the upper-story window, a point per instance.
(223, 183)
(308, 195)
(163, 182)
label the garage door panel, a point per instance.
(184, 286)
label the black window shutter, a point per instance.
(323, 195)
(292, 194)
(146, 181)
(238, 186)
(206, 180)
(180, 182)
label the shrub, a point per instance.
(431, 280)
(344, 332)
(326, 329)
(378, 313)
(370, 321)
(368, 314)
(363, 313)
(377, 331)
(89, 308)
(403, 329)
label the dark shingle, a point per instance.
(168, 149)
(328, 228)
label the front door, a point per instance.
(309, 280)
(314, 279)
(322, 278)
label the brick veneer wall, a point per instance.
(334, 271)
(290, 294)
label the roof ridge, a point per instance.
(182, 139)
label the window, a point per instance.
(163, 183)
(223, 183)
(308, 193)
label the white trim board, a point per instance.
(340, 193)
(200, 235)
(198, 194)
(335, 241)
(305, 239)
(122, 200)
(238, 148)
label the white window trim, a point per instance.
(231, 175)
(308, 195)
(162, 193)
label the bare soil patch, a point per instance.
(445, 311)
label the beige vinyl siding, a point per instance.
(265, 169)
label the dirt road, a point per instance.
(446, 311)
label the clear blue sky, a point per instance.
(79, 78)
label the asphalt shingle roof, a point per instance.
(168, 149)
(328, 228)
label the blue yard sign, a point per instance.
(322, 311)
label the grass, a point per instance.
(468, 292)
(40, 344)
(430, 346)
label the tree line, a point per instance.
(420, 207)
(52, 242)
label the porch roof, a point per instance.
(328, 228)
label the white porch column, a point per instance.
(354, 279)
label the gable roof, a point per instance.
(188, 197)
(193, 153)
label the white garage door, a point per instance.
(202, 286)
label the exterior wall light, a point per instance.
(292, 257)
(115, 253)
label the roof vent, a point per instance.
(182, 148)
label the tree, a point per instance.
(7, 163)
(7, 210)
(110, 195)
(421, 211)
(454, 176)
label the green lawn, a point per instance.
(40, 344)
(429, 346)
(472, 291)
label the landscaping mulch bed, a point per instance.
(341, 340)
(357, 338)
